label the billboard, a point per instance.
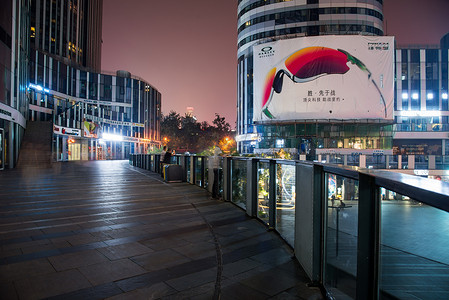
(324, 77)
(91, 129)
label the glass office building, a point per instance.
(104, 116)
(14, 79)
(421, 100)
(55, 76)
(68, 29)
(262, 22)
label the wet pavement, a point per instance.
(107, 230)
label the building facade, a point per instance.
(55, 50)
(68, 29)
(421, 100)
(262, 22)
(95, 115)
(14, 78)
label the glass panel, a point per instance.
(206, 172)
(340, 269)
(218, 171)
(198, 171)
(238, 175)
(413, 249)
(285, 202)
(188, 159)
(263, 174)
(220, 178)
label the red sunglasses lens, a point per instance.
(313, 61)
(268, 85)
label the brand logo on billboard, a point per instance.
(379, 46)
(266, 52)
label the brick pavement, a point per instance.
(107, 230)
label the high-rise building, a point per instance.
(50, 70)
(261, 22)
(421, 100)
(69, 29)
(14, 78)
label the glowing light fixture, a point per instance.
(404, 96)
(415, 96)
(419, 113)
(430, 96)
(38, 88)
(280, 143)
(112, 137)
(444, 96)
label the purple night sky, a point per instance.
(188, 49)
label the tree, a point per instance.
(222, 129)
(187, 134)
(170, 129)
(221, 124)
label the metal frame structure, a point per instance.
(311, 209)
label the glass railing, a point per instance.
(188, 160)
(206, 172)
(414, 261)
(238, 182)
(341, 236)
(358, 233)
(286, 201)
(198, 170)
(220, 180)
(263, 194)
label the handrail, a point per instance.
(428, 191)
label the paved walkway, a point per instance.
(107, 230)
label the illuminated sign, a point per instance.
(421, 172)
(66, 130)
(324, 77)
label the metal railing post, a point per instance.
(368, 239)
(272, 196)
(319, 196)
(309, 187)
(192, 170)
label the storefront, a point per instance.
(70, 144)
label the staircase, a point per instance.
(35, 150)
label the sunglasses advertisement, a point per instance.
(328, 77)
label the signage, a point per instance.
(324, 77)
(421, 172)
(11, 114)
(113, 122)
(66, 130)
